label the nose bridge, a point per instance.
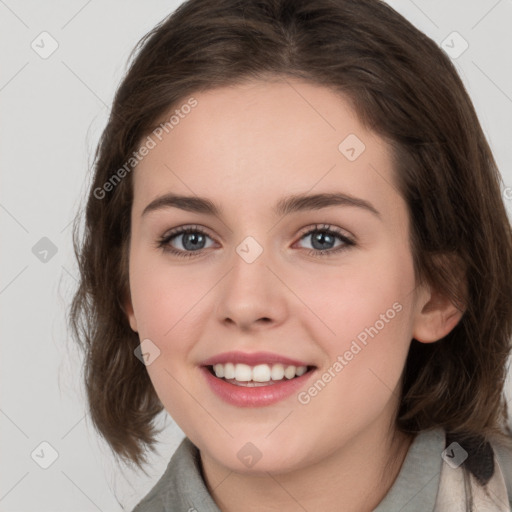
(251, 290)
(250, 274)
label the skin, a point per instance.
(244, 148)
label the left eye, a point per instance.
(326, 236)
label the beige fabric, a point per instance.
(493, 497)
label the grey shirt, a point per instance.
(182, 488)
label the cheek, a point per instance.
(367, 304)
(367, 292)
(369, 311)
(164, 297)
(165, 302)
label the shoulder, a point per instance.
(154, 501)
(181, 488)
(477, 471)
(503, 458)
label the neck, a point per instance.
(359, 474)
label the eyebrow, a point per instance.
(285, 206)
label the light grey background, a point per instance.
(53, 111)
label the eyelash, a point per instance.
(163, 242)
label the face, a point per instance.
(327, 284)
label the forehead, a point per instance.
(257, 140)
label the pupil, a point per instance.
(191, 240)
(321, 238)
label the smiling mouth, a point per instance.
(258, 375)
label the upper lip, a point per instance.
(252, 359)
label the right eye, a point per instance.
(190, 238)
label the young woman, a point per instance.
(295, 244)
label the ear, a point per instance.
(124, 298)
(127, 307)
(436, 314)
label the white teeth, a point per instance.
(289, 372)
(259, 373)
(301, 370)
(219, 370)
(229, 370)
(243, 373)
(277, 372)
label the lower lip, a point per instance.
(260, 396)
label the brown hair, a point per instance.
(403, 87)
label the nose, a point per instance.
(252, 296)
